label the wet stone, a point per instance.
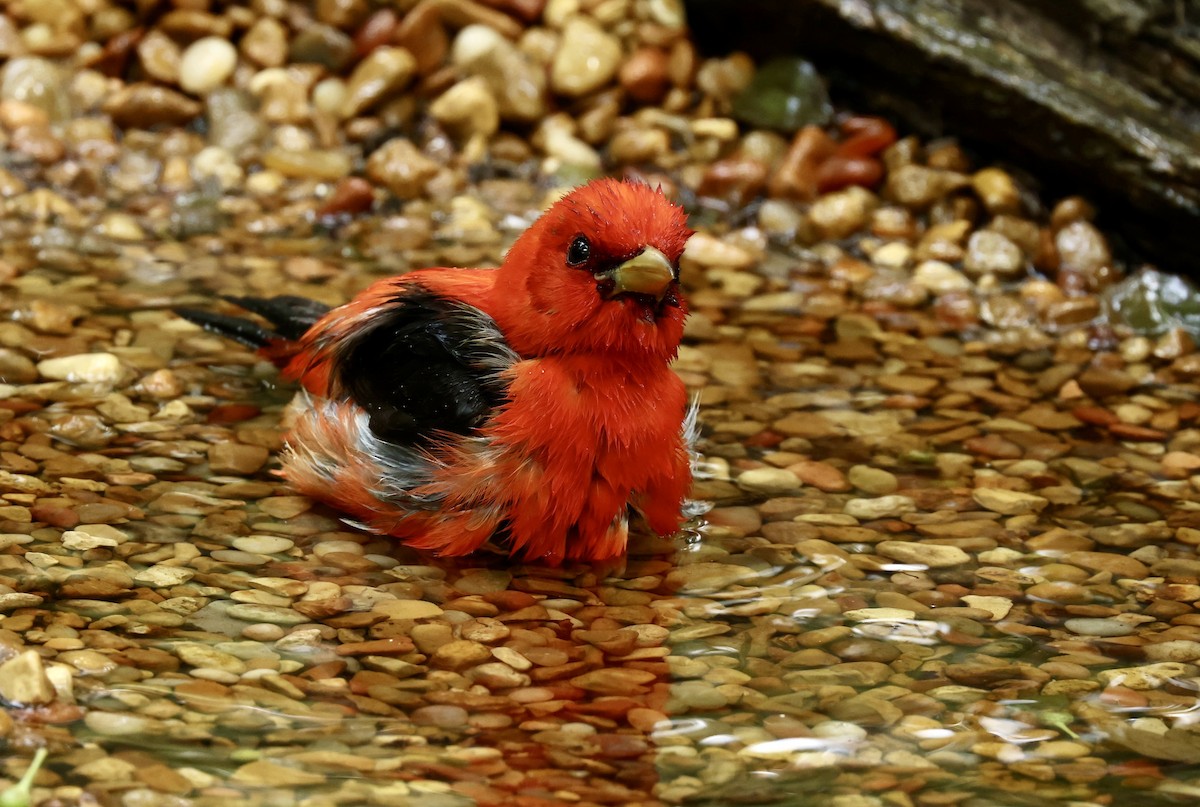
(879, 507)
(236, 458)
(934, 556)
(1098, 627)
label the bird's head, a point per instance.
(598, 272)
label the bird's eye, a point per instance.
(579, 251)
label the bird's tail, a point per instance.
(288, 317)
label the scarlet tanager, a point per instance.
(533, 402)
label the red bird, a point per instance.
(533, 402)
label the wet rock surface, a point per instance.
(951, 554)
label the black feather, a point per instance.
(290, 316)
(430, 367)
(246, 331)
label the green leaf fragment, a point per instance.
(1061, 721)
(18, 795)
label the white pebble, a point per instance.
(100, 368)
(207, 64)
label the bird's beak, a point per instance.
(649, 272)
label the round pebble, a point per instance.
(206, 64)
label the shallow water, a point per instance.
(943, 568)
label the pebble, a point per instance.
(275, 615)
(1146, 676)
(1098, 627)
(206, 64)
(768, 481)
(707, 576)
(991, 252)
(264, 773)
(107, 770)
(23, 680)
(1009, 502)
(997, 190)
(587, 58)
(933, 556)
(614, 681)
(94, 368)
(442, 716)
(873, 614)
(468, 107)
(838, 215)
(117, 724)
(998, 607)
(879, 507)
(400, 167)
(307, 163)
(408, 609)
(1082, 248)
(459, 654)
(144, 105)
(384, 71)
(940, 278)
(875, 481)
(37, 82)
(263, 544)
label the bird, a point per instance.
(532, 403)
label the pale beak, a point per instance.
(649, 272)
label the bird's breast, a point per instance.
(590, 418)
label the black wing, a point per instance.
(430, 365)
(289, 316)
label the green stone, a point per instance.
(785, 95)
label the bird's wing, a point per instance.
(289, 316)
(419, 363)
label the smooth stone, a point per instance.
(205, 656)
(934, 556)
(879, 507)
(840, 214)
(998, 607)
(162, 576)
(875, 481)
(117, 724)
(95, 368)
(23, 680)
(770, 481)
(263, 544)
(264, 773)
(207, 64)
(408, 609)
(587, 58)
(1146, 676)
(237, 458)
(707, 576)
(384, 71)
(990, 252)
(864, 614)
(468, 107)
(1091, 626)
(39, 83)
(276, 615)
(1009, 502)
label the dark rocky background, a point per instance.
(1103, 95)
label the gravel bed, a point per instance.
(952, 450)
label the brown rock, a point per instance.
(142, 105)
